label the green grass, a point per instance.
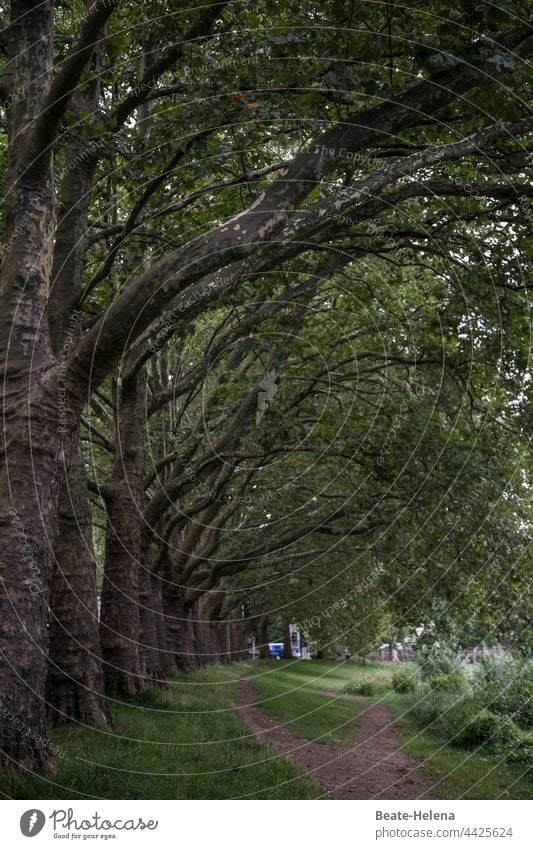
(303, 694)
(296, 692)
(188, 742)
(460, 774)
(183, 742)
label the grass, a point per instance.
(297, 692)
(188, 742)
(183, 742)
(304, 695)
(460, 774)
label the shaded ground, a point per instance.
(375, 767)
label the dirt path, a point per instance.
(374, 768)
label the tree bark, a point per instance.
(151, 663)
(187, 657)
(120, 617)
(75, 677)
(287, 642)
(213, 644)
(262, 629)
(182, 631)
(166, 658)
(31, 447)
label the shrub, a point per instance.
(489, 729)
(504, 685)
(438, 660)
(364, 687)
(460, 719)
(521, 752)
(456, 713)
(404, 680)
(454, 681)
(433, 707)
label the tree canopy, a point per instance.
(265, 335)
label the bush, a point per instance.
(489, 729)
(404, 680)
(462, 721)
(439, 660)
(487, 712)
(504, 685)
(521, 752)
(434, 707)
(364, 687)
(454, 681)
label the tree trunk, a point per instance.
(262, 630)
(241, 641)
(28, 521)
(167, 659)
(151, 664)
(287, 642)
(120, 617)
(75, 677)
(180, 617)
(31, 449)
(186, 637)
(212, 646)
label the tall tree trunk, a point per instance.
(150, 616)
(167, 660)
(28, 493)
(180, 614)
(30, 449)
(75, 678)
(211, 639)
(181, 628)
(120, 619)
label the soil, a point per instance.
(375, 767)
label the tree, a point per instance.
(396, 143)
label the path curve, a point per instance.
(375, 767)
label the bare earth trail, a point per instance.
(375, 767)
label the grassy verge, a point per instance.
(188, 742)
(299, 693)
(183, 742)
(459, 774)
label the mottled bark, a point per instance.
(120, 616)
(181, 627)
(167, 660)
(211, 639)
(152, 665)
(27, 524)
(30, 448)
(75, 678)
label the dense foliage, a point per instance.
(265, 337)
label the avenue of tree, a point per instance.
(264, 337)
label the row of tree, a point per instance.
(263, 336)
